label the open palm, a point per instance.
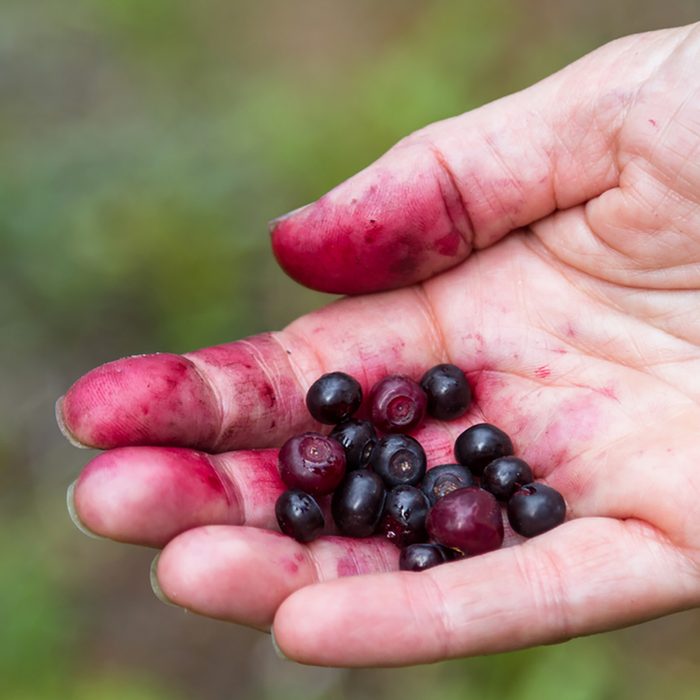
(548, 244)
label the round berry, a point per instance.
(357, 503)
(441, 480)
(403, 519)
(481, 444)
(535, 508)
(334, 397)
(398, 459)
(468, 520)
(448, 391)
(358, 438)
(418, 557)
(505, 475)
(397, 404)
(312, 462)
(299, 516)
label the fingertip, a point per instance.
(157, 399)
(273, 223)
(214, 571)
(276, 647)
(73, 514)
(155, 583)
(60, 421)
(396, 223)
(147, 495)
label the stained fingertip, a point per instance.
(60, 421)
(398, 222)
(148, 495)
(273, 223)
(158, 399)
(75, 518)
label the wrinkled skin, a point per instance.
(549, 244)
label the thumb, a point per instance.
(463, 183)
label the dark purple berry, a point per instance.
(418, 557)
(397, 404)
(357, 503)
(313, 463)
(398, 459)
(403, 519)
(481, 444)
(535, 508)
(505, 475)
(448, 391)
(439, 481)
(299, 516)
(334, 397)
(468, 520)
(358, 438)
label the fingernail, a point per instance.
(272, 224)
(275, 646)
(62, 426)
(70, 502)
(157, 590)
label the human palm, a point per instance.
(548, 244)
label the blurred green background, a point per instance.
(144, 144)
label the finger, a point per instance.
(242, 574)
(250, 393)
(466, 182)
(148, 495)
(586, 576)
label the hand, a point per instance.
(548, 243)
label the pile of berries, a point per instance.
(378, 480)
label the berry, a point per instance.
(468, 520)
(398, 459)
(481, 444)
(312, 462)
(418, 557)
(357, 503)
(535, 508)
(403, 519)
(334, 397)
(299, 516)
(505, 475)
(448, 391)
(358, 438)
(439, 481)
(397, 404)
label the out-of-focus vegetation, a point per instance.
(144, 145)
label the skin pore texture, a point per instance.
(548, 244)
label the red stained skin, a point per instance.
(543, 372)
(449, 244)
(148, 495)
(393, 233)
(98, 410)
(290, 567)
(363, 556)
(609, 392)
(574, 425)
(259, 482)
(256, 388)
(163, 399)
